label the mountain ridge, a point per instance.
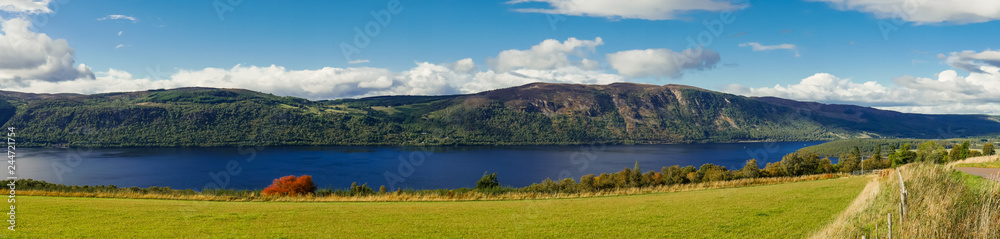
(531, 114)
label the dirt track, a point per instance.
(989, 173)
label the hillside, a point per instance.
(538, 113)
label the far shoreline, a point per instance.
(35, 146)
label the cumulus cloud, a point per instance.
(972, 61)
(824, 87)
(547, 55)
(759, 47)
(466, 66)
(549, 61)
(634, 9)
(32, 56)
(662, 62)
(948, 92)
(924, 11)
(329, 82)
(490, 80)
(118, 17)
(25, 6)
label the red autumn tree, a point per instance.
(291, 185)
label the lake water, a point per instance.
(395, 167)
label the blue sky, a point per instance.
(830, 51)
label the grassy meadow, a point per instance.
(791, 210)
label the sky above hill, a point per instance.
(925, 56)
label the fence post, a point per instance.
(889, 217)
(902, 196)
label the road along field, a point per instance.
(792, 210)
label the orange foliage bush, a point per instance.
(291, 185)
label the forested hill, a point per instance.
(538, 113)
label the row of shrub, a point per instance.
(792, 164)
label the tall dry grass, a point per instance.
(941, 203)
(980, 159)
(450, 196)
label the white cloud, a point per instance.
(120, 33)
(547, 55)
(758, 47)
(491, 80)
(25, 6)
(118, 17)
(824, 87)
(661, 62)
(547, 62)
(32, 56)
(955, 108)
(631, 9)
(358, 61)
(466, 66)
(972, 61)
(328, 82)
(925, 11)
(976, 93)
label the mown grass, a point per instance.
(791, 210)
(462, 194)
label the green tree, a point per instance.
(792, 164)
(774, 169)
(826, 166)
(906, 155)
(623, 179)
(750, 170)
(587, 183)
(870, 163)
(925, 151)
(939, 155)
(636, 175)
(878, 153)
(988, 149)
(964, 154)
(568, 185)
(360, 190)
(954, 154)
(849, 162)
(488, 181)
(604, 181)
(959, 152)
(810, 163)
(974, 153)
(672, 175)
(693, 177)
(687, 171)
(716, 174)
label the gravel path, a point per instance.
(989, 173)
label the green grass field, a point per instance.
(792, 210)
